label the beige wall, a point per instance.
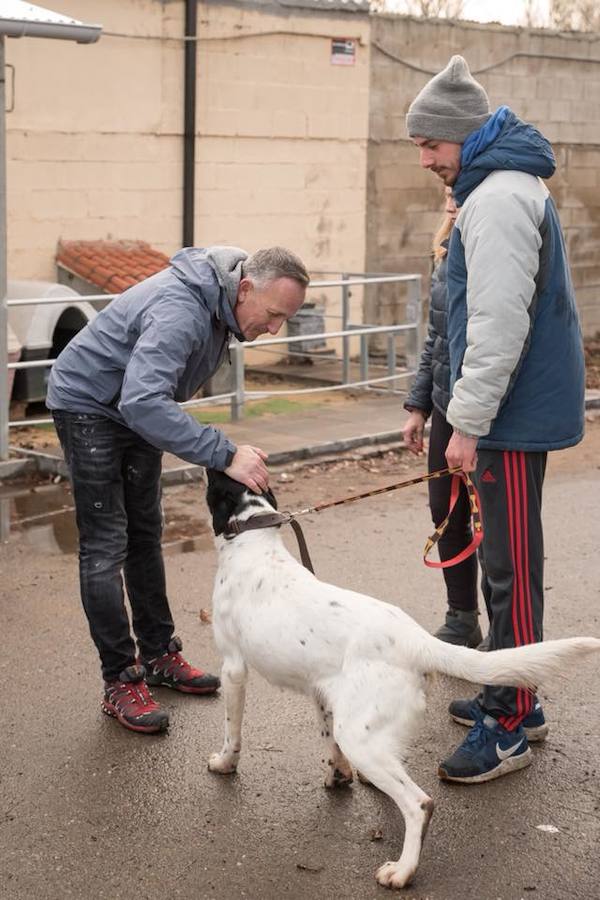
(283, 137)
(561, 95)
(95, 147)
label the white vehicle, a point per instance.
(42, 330)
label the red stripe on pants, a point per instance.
(517, 513)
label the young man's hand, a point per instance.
(413, 431)
(248, 467)
(462, 451)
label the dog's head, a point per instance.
(227, 498)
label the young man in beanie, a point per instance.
(517, 375)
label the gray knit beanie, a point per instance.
(450, 106)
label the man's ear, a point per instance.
(244, 288)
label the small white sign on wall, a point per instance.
(343, 52)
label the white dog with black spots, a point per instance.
(363, 662)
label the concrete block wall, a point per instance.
(549, 79)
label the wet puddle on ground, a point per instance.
(43, 516)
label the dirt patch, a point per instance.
(592, 362)
(187, 521)
(298, 487)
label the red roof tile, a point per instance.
(112, 266)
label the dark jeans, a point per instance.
(461, 580)
(116, 488)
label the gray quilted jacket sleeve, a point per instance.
(421, 389)
(421, 393)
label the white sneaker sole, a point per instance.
(512, 764)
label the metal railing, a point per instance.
(238, 396)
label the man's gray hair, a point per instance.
(274, 262)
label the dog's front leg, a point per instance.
(233, 679)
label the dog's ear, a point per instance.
(270, 498)
(222, 512)
(222, 497)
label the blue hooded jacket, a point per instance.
(516, 352)
(153, 347)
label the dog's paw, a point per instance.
(222, 764)
(337, 778)
(393, 875)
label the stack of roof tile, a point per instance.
(113, 266)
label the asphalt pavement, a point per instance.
(91, 811)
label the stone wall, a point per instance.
(548, 79)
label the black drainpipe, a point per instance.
(189, 123)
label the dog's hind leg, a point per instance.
(233, 679)
(339, 770)
(375, 711)
(388, 774)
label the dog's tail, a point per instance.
(527, 666)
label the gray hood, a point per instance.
(225, 263)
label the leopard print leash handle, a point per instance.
(458, 477)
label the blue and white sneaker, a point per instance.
(467, 712)
(488, 751)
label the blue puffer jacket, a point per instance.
(153, 347)
(516, 352)
(431, 386)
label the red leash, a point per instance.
(476, 523)
(458, 476)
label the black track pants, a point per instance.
(512, 561)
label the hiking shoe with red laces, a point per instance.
(171, 670)
(128, 699)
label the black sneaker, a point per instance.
(128, 699)
(171, 670)
(460, 628)
(467, 712)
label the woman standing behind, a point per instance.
(430, 395)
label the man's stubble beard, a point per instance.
(448, 178)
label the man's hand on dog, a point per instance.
(248, 467)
